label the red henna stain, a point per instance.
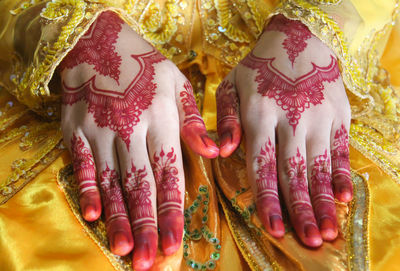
(165, 174)
(119, 111)
(267, 180)
(84, 166)
(298, 188)
(321, 186)
(97, 47)
(296, 32)
(340, 154)
(138, 194)
(293, 96)
(227, 103)
(113, 200)
(192, 114)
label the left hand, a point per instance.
(290, 91)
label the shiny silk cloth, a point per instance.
(40, 223)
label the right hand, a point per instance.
(290, 91)
(124, 109)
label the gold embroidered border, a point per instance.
(246, 241)
(95, 230)
(358, 224)
(376, 148)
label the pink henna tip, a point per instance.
(90, 213)
(277, 227)
(328, 230)
(345, 194)
(212, 148)
(169, 244)
(226, 146)
(142, 259)
(312, 236)
(121, 245)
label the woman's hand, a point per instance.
(290, 91)
(124, 109)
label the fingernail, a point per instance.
(328, 229)
(120, 243)
(313, 236)
(226, 138)
(210, 144)
(141, 258)
(277, 225)
(90, 212)
(169, 243)
(345, 194)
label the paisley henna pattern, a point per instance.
(227, 103)
(296, 32)
(165, 174)
(97, 47)
(321, 185)
(113, 200)
(84, 166)
(293, 96)
(192, 114)
(138, 194)
(267, 180)
(340, 155)
(298, 187)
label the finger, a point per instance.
(342, 184)
(193, 130)
(228, 120)
(117, 223)
(85, 174)
(264, 180)
(140, 190)
(320, 183)
(293, 180)
(166, 160)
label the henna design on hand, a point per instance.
(113, 200)
(293, 96)
(138, 194)
(84, 166)
(165, 174)
(119, 111)
(298, 188)
(340, 155)
(192, 114)
(267, 181)
(97, 47)
(321, 183)
(297, 34)
(227, 103)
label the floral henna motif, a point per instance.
(192, 114)
(298, 188)
(138, 194)
(340, 154)
(227, 103)
(321, 186)
(293, 96)
(267, 181)
(97, 48)
(113, 200)
(84, 166)
(119, 111)
(165, 174)
(296, 32)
